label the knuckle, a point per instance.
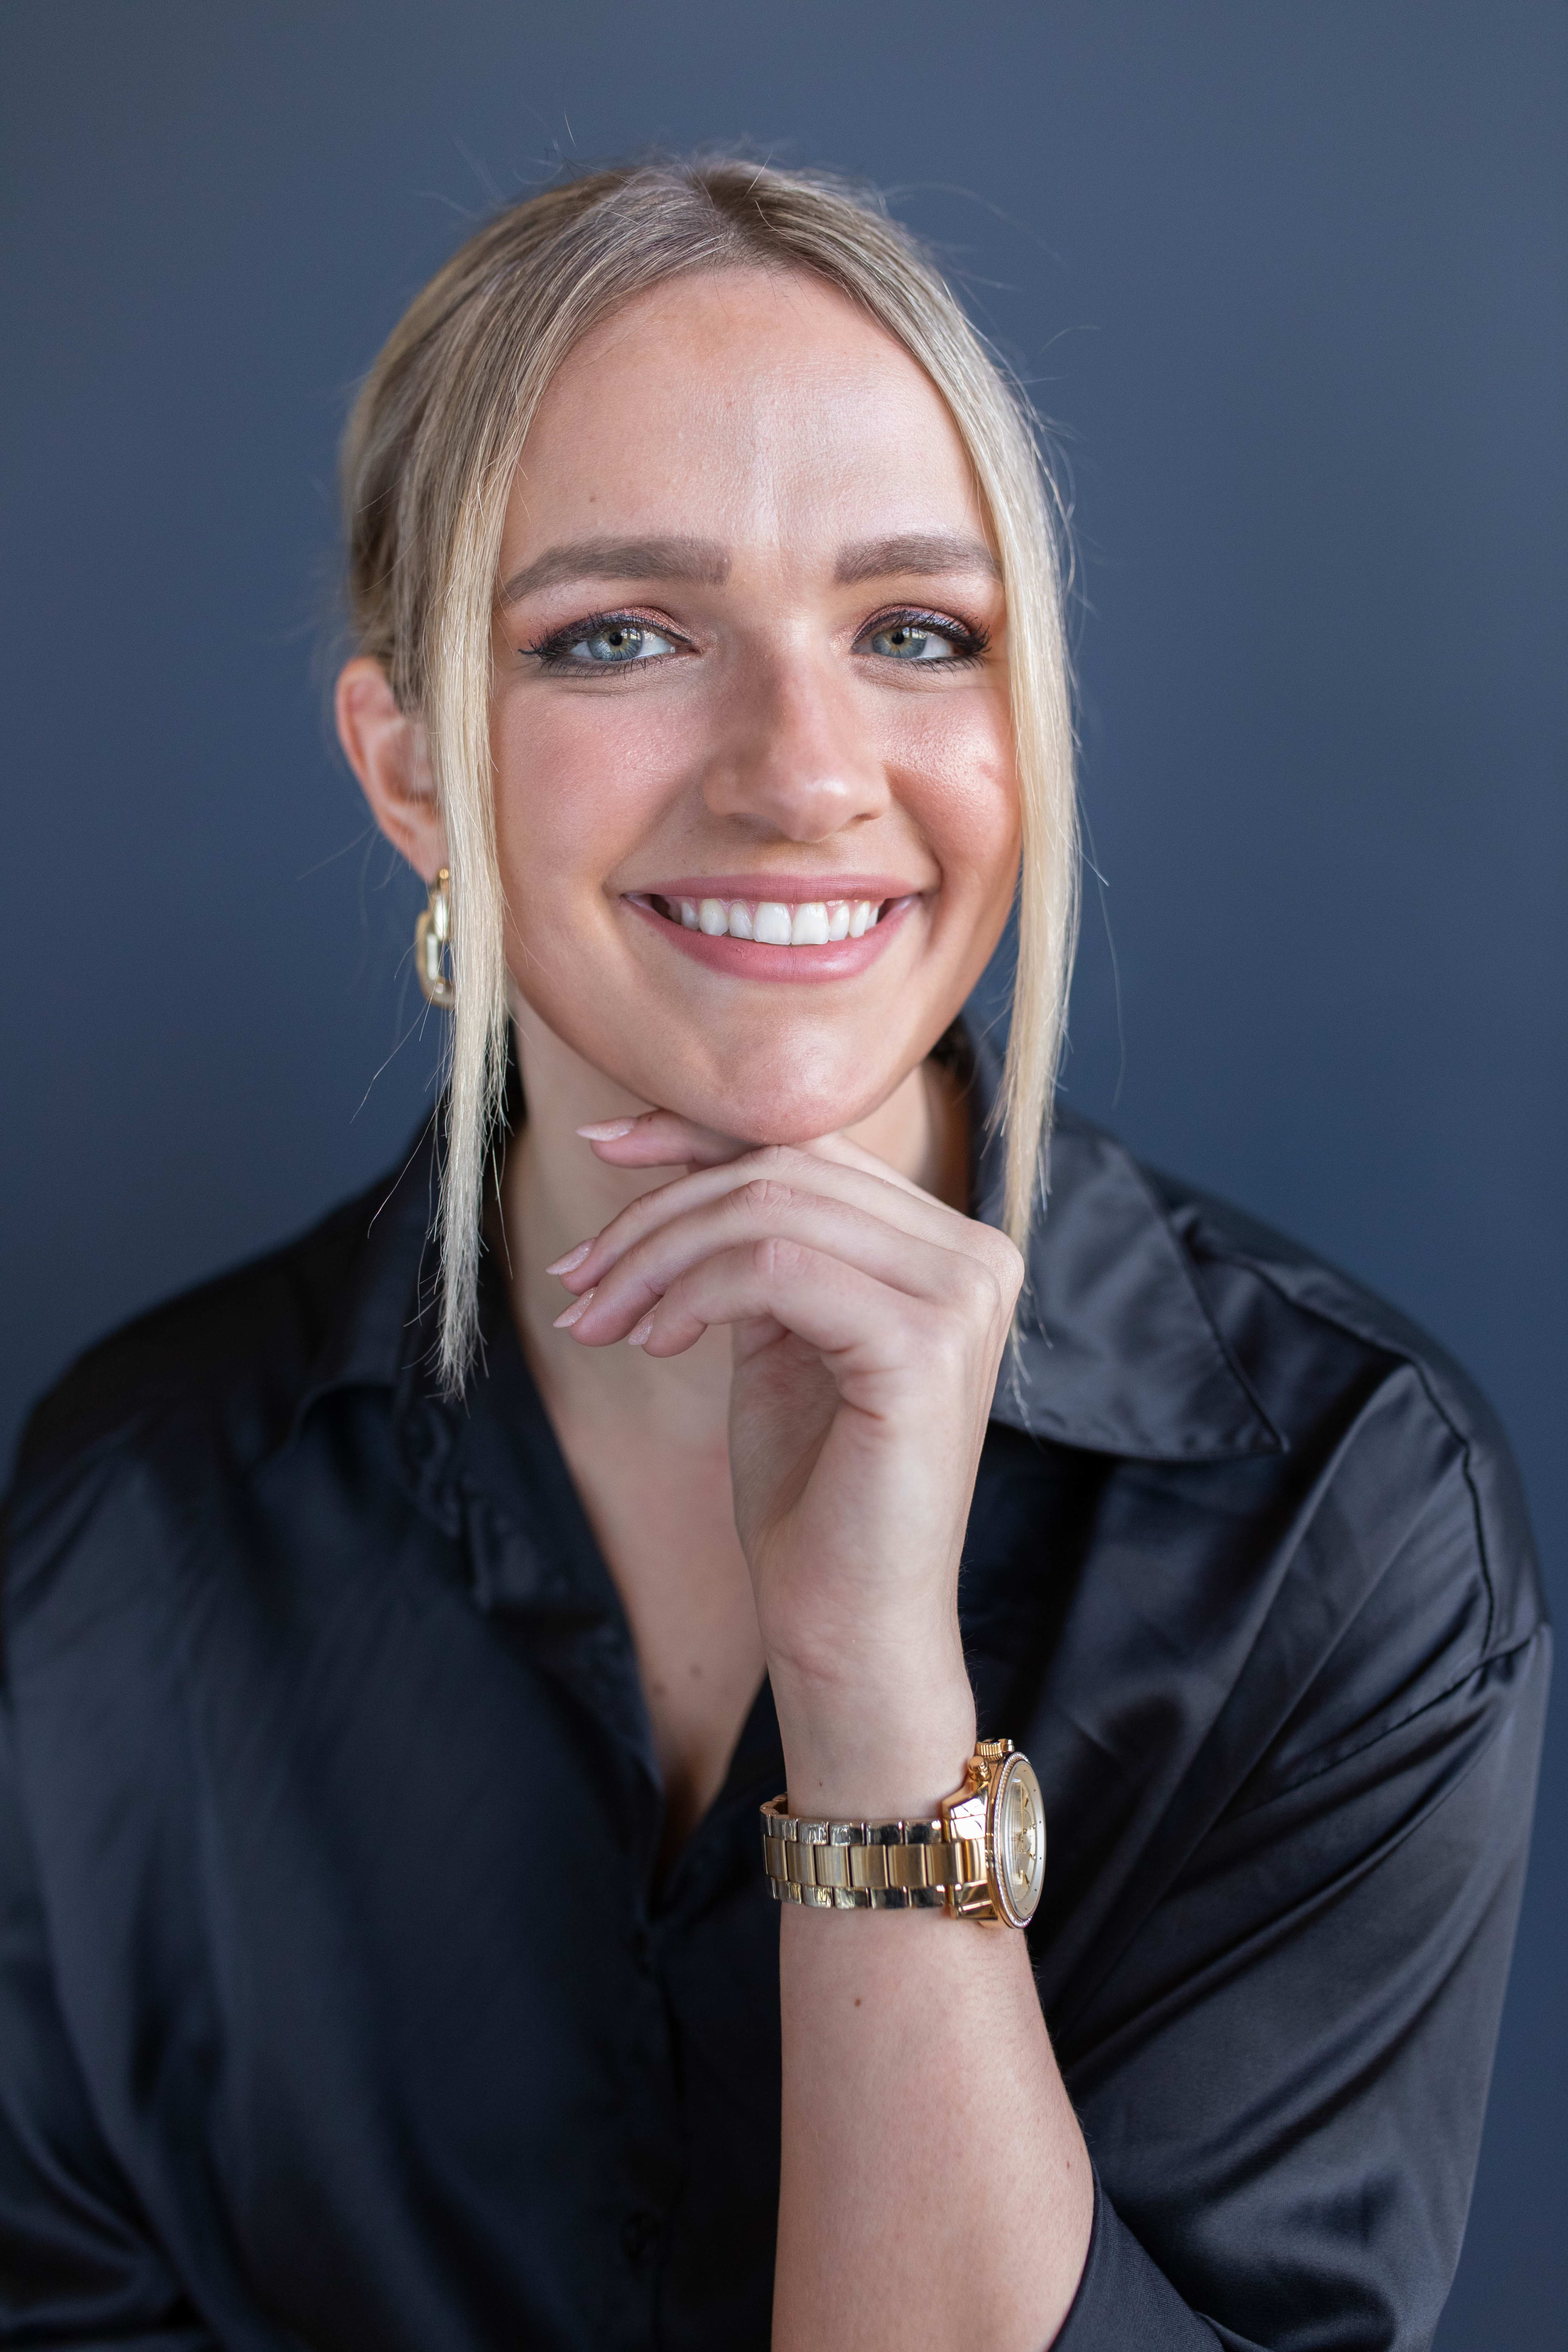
(759, 1196)
(1003, 1263)
(776, 1259)
(974, 1288)
(997, 1250)
(1010, 1259)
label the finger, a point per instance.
(901, 1205)
(855, 1322)
(763, 1209)
(663, 1139)
(659, 1139)
(845, 1152)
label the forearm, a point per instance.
(935, 2188)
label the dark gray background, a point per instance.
(1291, 279)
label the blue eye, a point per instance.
(910, 637)
(607, 641)
(620, 641)
(907, 641)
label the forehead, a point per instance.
(741, 404)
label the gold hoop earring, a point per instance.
(432, 934)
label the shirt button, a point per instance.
(639, 2235)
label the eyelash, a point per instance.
(968, 643)
(550, 652)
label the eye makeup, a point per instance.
(968, 643)
(555, 653)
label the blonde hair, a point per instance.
(429, 457)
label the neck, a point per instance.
(555, 1193)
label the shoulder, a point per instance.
(1402, 1463)
(199, 1392)
(1324, 1307)
(230, 1357)
(1275, 1433)
(1327, 1514)
(1162, 1325)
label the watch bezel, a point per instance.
(1003, 1775)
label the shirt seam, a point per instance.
(1362, 1747)
(1399, 1355)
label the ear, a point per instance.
(387, 751)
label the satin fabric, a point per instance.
(341, 2004)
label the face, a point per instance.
(757, 809)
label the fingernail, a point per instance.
(572, 1261)
(606, 1131)
(564, 1321)
(642, 1335)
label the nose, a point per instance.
(792, 759)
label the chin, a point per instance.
(770, 1088)
(793, 1107)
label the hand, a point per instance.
(868, 1322)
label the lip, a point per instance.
(788, 889)
(749, 959)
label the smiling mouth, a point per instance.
(771, 922)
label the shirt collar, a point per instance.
(1116, 1349)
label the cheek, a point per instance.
(958, 780)
(578, 784)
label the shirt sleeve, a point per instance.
(1284, 2081)
(78, 2267)
(1123, 2292)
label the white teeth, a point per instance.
(814, 923)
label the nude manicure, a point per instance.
(564, 1320)
(572, 1261)
(605, 1130)
(641, 1336)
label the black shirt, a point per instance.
(341, 2004)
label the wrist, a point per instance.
(864, 1754)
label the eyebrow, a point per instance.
(931, 553)
(620, 558)
(914, 550)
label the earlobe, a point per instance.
(385, 746)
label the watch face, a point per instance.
(1018, 1840)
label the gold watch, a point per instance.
(983, 1858)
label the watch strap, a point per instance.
(872, 1865)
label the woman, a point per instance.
(409, 1635)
